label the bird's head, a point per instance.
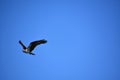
(25, 50)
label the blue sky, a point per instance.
(83, 39)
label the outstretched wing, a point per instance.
(22, 45)
(35, 43)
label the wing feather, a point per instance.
(33, 44)
(22, 45)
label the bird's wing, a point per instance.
(33, 44)
(22, 45)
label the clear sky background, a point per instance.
(83, 39)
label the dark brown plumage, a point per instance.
(32, 46)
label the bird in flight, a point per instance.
(32, 45)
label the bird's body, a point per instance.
(32, 45)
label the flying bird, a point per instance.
(32, 45)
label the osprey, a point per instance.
(31, 46)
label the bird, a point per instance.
(32, 45)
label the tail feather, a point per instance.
(32, 54)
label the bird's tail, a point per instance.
(32, 54)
